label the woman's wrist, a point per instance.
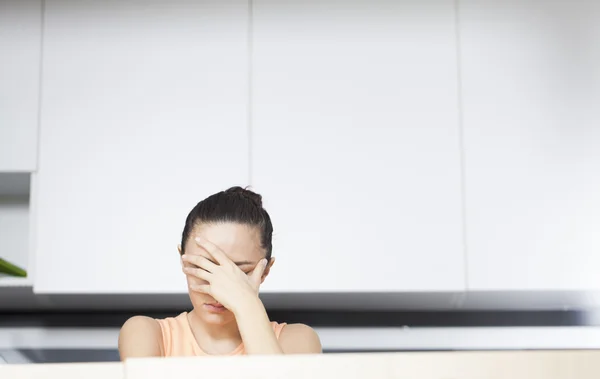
(248, 305)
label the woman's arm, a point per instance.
(140, 336)
(259, 337)
(300, 339)
(255, 328)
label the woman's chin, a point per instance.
(211, 314)
(215, 318)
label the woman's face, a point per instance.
(241, 243)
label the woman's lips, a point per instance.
(215, 307)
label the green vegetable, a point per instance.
(11, 269)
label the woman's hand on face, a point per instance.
(227, 284)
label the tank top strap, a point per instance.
(177, 336)
(278, 327)
(167, 337)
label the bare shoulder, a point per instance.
(140, 336)
(299, 339)
(140, 323)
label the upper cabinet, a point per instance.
(355, 144)
(531, 89)
(144, 113)
(20, 47)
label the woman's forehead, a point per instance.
(237, 241)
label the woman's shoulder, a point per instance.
(139, 323)
(297, 329)
(299, 339)
(140, 331)
(182, 317)
(149, 324)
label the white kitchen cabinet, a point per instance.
(20, 47)
(144, 114)
(355, 144)
(530, 75)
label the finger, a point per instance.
(202, 288)
(213, 250)
(199, 261)
(259, 270)
(197, 273)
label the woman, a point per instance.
(225, 254)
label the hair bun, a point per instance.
(255, 198)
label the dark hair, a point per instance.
(238, 205)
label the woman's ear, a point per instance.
(267, 270)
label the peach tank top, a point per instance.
(179, 341)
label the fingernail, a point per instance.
(265, 262)
(197, 239)
(184, 256)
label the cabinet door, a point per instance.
(20, 47)
(355, 144)
(144, 114)
(531, 90)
